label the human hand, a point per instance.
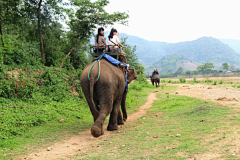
(118, 34)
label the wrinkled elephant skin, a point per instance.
(105, 96)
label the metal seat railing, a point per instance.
(96, 50)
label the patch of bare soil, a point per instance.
(80, 143)
(14, 72)
(223, 93)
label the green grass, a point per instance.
(202, 126)
(29, 126)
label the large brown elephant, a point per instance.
(105, 95)
(155, 79)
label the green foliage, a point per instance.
(221, 82)
(195, 80)
(17, 117)
(215, 83)
(132, 58)
(182, 80)
(19, 87)
(225, 66)
(205, 67)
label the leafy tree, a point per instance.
(205, 67)
(188, 72)
(87, 18)
(132, 58)
(225, 66)
(179, 71)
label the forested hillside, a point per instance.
(233, 43)
(170, 63)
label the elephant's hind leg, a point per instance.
(104, 110)
(120, 120)
(113, 121)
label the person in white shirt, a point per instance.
(114, 41)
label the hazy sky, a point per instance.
(179, 20)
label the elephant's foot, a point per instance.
(112, 127)
(120, 122)
(96, 132)
(124, 117)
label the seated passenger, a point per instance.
(154, 72)
(100, 41)
(114, 41)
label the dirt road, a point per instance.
(80, 143)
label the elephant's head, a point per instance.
(131, 74)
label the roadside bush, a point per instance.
(20, 87)
(215, 83)
(221, 82)
(209, 81)
(182, 80)
(195, 80)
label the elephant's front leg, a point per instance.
(114, 116)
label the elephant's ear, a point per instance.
(131, 74)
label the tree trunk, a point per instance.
(69, 52)
(40, 34)
(1, 34)
(4, 54)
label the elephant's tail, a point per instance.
(92, 83)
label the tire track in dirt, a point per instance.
(80, 143)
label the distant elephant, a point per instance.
(155, 79)
(105, 95)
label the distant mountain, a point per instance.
(205, 49)
(202, 50)
(233, 43)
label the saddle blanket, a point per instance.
(112, 60)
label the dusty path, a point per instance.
(80, 143)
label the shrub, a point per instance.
(182, 80)
(215, 83)
(20, 87)
(221, 82)
(195, 80)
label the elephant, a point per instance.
(105, 95)
(155, 79)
